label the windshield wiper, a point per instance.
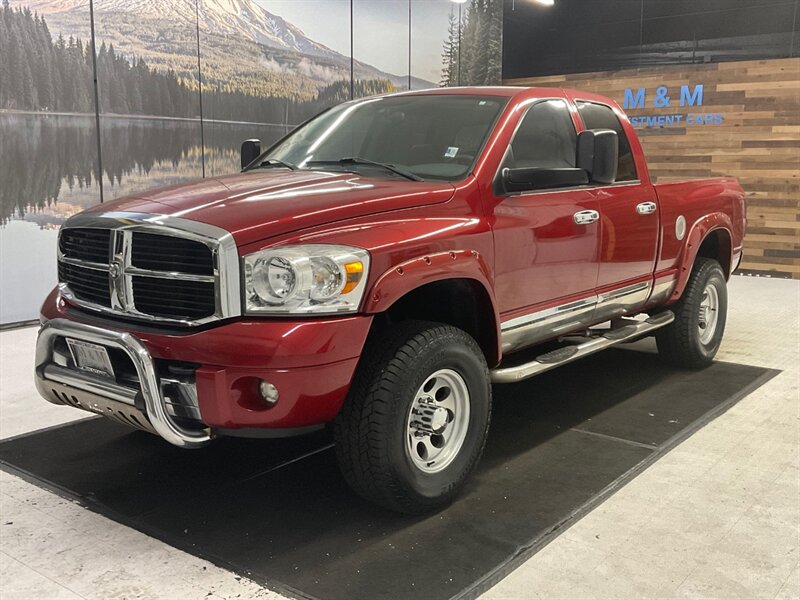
(354, 160)
(274, 162)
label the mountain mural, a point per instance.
(245, 48)
(261, 76)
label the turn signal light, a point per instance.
(355, 271)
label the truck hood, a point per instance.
(262, 204)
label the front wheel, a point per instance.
(415, 423)
(694, 337)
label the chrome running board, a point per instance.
(568, 354)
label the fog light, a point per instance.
(269, 393)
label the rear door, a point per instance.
(629, 221)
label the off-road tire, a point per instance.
(371, 429)
(680, 343)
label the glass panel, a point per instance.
(380, 33)
(682, 31)
(434, 42)
(576, 36)
(48, 145)
(286, 62)
(471, 34)
(571, 36)
(481, 43)
(546, 138)
(149, 101)
(431, 136)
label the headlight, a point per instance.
(305, 279)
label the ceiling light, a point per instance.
(514, 7)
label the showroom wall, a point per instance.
(179, 85)
(713, 89)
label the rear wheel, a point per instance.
(693, 339)
(416, 421)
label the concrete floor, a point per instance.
(718, 517)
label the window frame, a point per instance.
(636, 179)
(499, 188)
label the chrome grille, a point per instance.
(171, 270)
(164, 253)
(85, 244)
(173, 298)
(87, 284)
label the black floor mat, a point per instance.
(279, 512)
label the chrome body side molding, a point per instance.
(662, 291)
(536, 327)
(622, 301)
(529, 330)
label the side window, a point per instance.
(545, 138)
(600, 116)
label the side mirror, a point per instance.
(598, 154)
(538, 178)
(251, 149)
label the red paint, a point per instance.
(258, 205)
(707, 205)
(247, 343)
(396, 282)
(308, 395)
(541, 254)
(525, 250)
(311, 362)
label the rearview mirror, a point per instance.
(539, 178)
(598, 154)
(251, 149)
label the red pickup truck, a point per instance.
(377, 269)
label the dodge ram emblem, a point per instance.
(114, 270)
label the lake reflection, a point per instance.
(48, 172)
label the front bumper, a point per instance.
(60, 384)
(310, 362)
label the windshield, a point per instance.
(421, 137)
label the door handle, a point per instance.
(646, 208)
(586, 217)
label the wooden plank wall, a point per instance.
(758, 142)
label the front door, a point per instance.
(546, 241)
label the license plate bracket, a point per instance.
(91, 357)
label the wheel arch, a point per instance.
(447, 287)
(717, 244)
(709, 238)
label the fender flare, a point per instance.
(700, 230)
(414, 273)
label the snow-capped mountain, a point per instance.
(232, 17)
(155, 29)
(243, 46)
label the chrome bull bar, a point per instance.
(154, 401)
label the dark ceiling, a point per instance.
(576, 36)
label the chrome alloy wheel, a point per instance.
(709, 314)
(438, 421)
